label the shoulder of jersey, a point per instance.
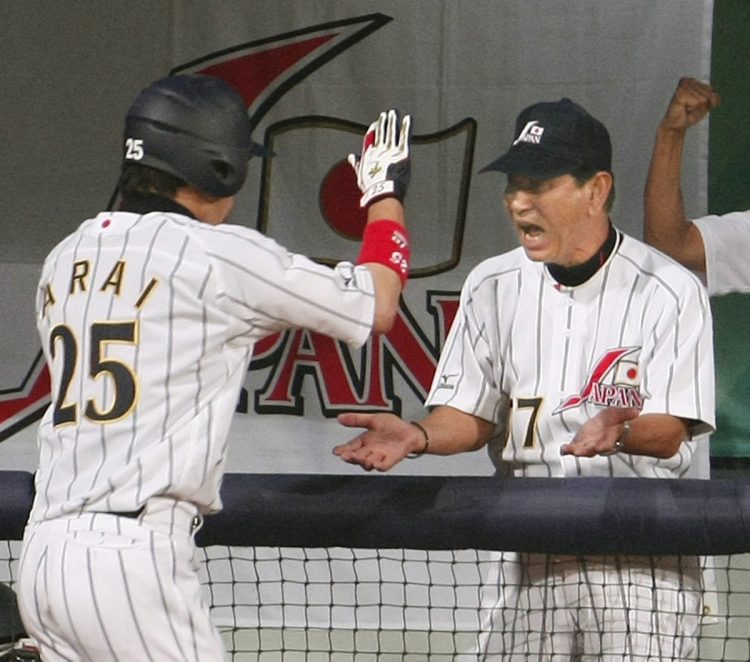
(230, 231)
(653, 261)
(499, 264)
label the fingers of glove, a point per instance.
(381, 132)
(404, 135)
(392, 137)
(396, 140)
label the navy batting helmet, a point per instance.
(194, 127)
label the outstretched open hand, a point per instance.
(598, 435)
(386, 441)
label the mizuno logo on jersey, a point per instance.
(614, 382)
(532, 133)
(446, 382)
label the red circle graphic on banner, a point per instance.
(339, 201)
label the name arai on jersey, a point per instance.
(613, 382)
(80, 280)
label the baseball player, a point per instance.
(711, 245)
(148, 316)
(583, 352)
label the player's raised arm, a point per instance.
(665, 224)
(383, 169)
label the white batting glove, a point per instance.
(384, 167)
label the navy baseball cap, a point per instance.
(555, 138)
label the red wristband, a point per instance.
(386, 242)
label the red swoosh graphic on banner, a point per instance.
(265, 69)
(266, 66)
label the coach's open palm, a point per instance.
(386, 441)
(598, 435)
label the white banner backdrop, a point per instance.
(313, 75)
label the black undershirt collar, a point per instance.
(580, 273)
(148, 202)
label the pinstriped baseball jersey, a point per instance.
(540, 358)
(148, 322)
(727, 269)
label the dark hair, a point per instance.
(584, 174)
(137, 179)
